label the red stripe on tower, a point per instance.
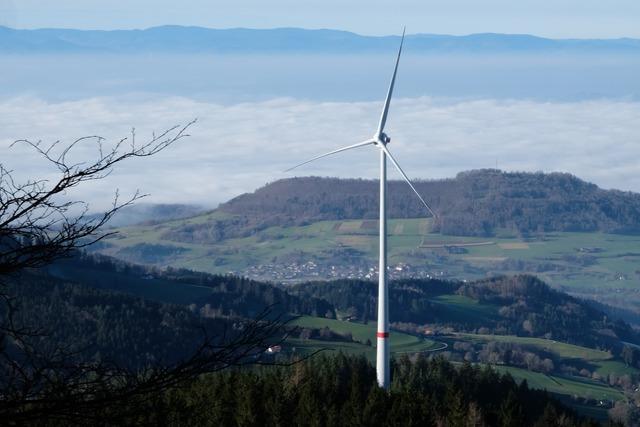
(382, 334)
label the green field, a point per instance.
(560, 349)
(597, 265)
(464, 309)
(405, 343)
(570, 386)
(400, 342)
(566, 385)
(614, 367)
(602, 361)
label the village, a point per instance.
(296, 272)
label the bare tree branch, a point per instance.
(55, 386)
(37, 226)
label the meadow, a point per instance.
(401, 343)
(600, 266)
(602, 361)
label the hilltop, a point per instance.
(474, 203)
(573, 235)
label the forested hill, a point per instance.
(474, 203)
(215, 295)
(109, 323)
(518, 305)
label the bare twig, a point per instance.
(38, 226)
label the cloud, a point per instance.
(237, 148)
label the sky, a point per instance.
(555, 19)
(260, 114)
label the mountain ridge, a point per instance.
(192, 39)
(474, 203)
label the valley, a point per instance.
(586, 395)
(593, 265)
(171, 253)
(457, 285)
(515, 325)
(571, 234)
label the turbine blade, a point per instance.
(404, 175)
(359, 144)
(387, 101)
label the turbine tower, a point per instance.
(380, 140)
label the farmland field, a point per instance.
(465, 309)
(601, 266)
(572, 386)
(405, 343)
(400, 342)
(560, 349)
(602, 361)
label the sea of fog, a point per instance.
(258, 115)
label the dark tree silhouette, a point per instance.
(38, 225)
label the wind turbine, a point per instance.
(380, 140)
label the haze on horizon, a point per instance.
(259, 114)
(566, 19)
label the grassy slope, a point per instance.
(564, 385)
(400, 342)
(619, 257)
(404, 343)
(602, 361)
(465, 309)
(560, 349)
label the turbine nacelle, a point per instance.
(383, 138)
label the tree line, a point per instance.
(519, 305)
(474, 203)
(342, 391)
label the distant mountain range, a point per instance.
(178, 39)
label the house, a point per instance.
(274, 349)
